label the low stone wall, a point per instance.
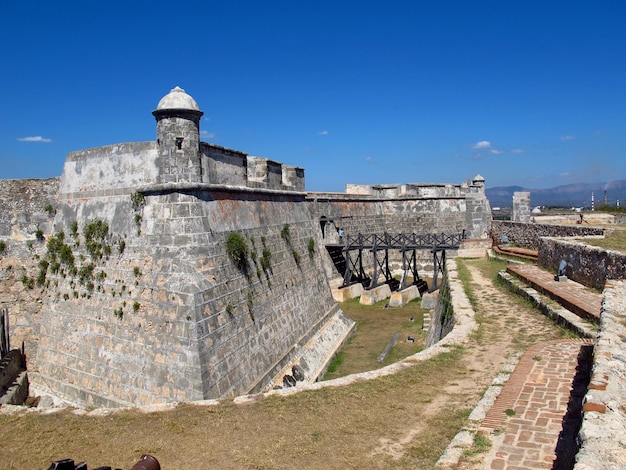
(586, 264)
(603, 431)
(528, 235)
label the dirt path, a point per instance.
(508, 327)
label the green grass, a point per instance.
(615, 240)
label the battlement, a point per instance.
(176, 160)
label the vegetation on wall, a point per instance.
(77, 260)
(311, 247)
(285, 233)
(237, 250)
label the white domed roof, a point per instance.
(177, 99)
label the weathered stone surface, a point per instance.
(376, 294)
(528, 235)
(403, 297)
(586, 264)
(341, 294)
(521, 207)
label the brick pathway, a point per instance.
(575, 297)
(538, 411)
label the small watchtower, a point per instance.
(178, 138)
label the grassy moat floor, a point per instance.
(401, 421)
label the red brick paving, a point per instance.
(575, 297)
(538, 392)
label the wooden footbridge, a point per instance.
(348, 257)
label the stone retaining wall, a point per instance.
(586, 264)
(528, 235)
(603, 432)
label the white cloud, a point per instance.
(323, 133)
(483, 144)
(36, 138)
(517, 151)
(207, 134)
(369, 159)
(495, 152)
(568, 137)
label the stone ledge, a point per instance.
(403, 297)
(376, 294)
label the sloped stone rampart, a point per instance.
(586, 264)
(528, 235)
(174, 319)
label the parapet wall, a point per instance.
(586, 264)
(528, 235)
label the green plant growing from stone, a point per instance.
(137, 271)
(237, 250)
(311, 247)
(138, 200)
(3, 247)
(95, 235)
(296, 256)
(50, 210)
(43, 271)
(85, 273)
(136, 306)
(39, 235)
(119, 313)
(138, 219)
(74, 229)
(28, 281)
(250, 303)
(286, 234)
(265, 259)
(230, 309)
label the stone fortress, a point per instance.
(180, 270)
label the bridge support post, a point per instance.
(439, 264)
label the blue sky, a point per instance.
(529, 93)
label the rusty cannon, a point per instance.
(146, 462)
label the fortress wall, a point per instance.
(202, 328)
(111, 170)
(358, 214)
(23, 208)
(28, 206)
(528, 235)
(586, 264)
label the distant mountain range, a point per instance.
(571, 195)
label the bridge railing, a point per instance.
(436, 243)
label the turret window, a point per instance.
(179, 143)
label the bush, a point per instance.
(237, 250)
(286, 234)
